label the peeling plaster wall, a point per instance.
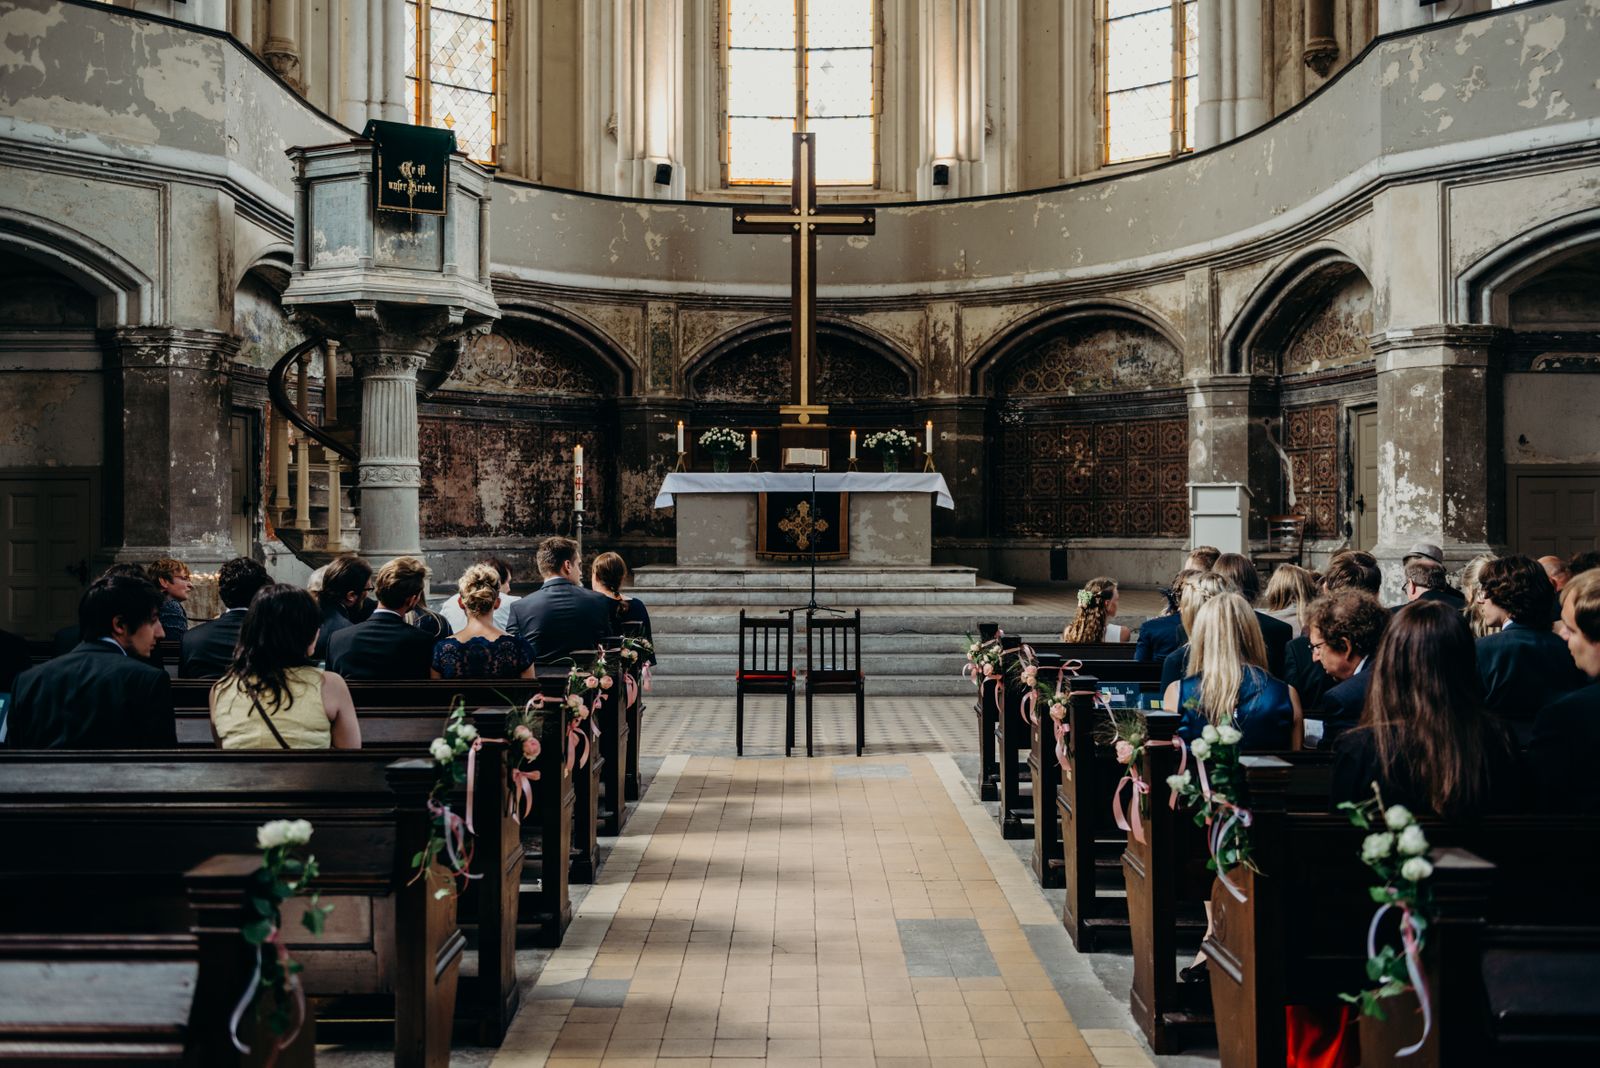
(1552, 418)
(50, 380)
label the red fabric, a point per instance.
(1322, 1036)
(767, 675)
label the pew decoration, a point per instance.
(1127, 734)
(449, 833)
(1397, 851)
(1213, 791)
(522, 733)
(983, 659)
(637, 653)
(286, 870)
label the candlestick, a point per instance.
(754, 454)
(852, 444)
(577, 478)
(680, 435)
(928, 447)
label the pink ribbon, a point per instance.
(456, 846)
(1062, 727)
(575, 735)
(632, 687)
(291, 982)
(644, 677)
(1408, 937)
(1133, 821)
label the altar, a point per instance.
(885, 519)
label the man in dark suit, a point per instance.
(101, 695)
(561, 616)
(1344, 629)
(1350, 569)
(386, 646)
(207, 650)
(1566, 732)
(1161, 636)
(1426, 581)
(345, 585)
(1275, 632)
(1525, 666)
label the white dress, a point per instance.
(1115, 632)
(456, 616)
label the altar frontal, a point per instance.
(794, 526)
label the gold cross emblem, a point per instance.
(802, 526)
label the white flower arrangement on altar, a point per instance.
(893, 442)
(722, 439)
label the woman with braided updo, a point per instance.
(1097, 603)
(481, 650)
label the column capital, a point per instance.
(1438, 345)
(167, 346)
(1225, 389)
(387, 362)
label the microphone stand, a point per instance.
(812, 607)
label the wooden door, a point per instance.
(47, 542)
(1556, 514)
(1364, 463)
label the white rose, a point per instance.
(575, 700)
(1413, 843)
(1398, 818)
(467, 731)
(1376, 847)
(1209, 733)
(272, 834)
(1229, 735)
(1178, 783)
(1199, 748)
(1416, 869)
(441, 751)
(973, 648)
(298, 832)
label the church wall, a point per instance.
(50, 371)
(1551, 418)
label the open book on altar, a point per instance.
(796, 459)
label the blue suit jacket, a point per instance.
(560, 618)
(1158, 637)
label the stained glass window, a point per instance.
(452, 68)
(1150, 76)
(792, 58)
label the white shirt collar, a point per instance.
(115, 645)
(1361, 666)
(391, 611)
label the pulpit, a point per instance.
(881, 520)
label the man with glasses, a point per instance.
(1343, 630)
(345, 585)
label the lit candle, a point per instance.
(577, 478)
(680, 435)
(754, 454)
(929, 446)
(852, 444)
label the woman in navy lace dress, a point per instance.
(481, 650)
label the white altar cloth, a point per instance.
(800, 482)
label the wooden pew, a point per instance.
(1513, 959)
(155, 998)
(103, 838)
(403, 717)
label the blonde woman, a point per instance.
(1097, 603)
(1196, 592)
(1471, 583)
(1290, 592)
(480, 649)
(1228, 680)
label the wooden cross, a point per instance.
(804, 221)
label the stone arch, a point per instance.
(1313, 313)
(124, 295)
(1107, 345)
(263, 326)
(536, 350)
(1485, 290)
(750, 364)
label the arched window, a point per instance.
(800, 64)
(452, 71)
(1149, 77)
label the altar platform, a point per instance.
(838, 585)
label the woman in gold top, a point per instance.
(272, 696)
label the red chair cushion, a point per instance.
(766, 675)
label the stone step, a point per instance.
(877, 686)
(678, 644)
(985, 593)
(936, 662)
(651, 579)
(880, 620)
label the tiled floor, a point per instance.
(821, 912)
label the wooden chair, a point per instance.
(833, 667)
(766, 666)
(1285, 541)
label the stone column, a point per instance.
(647, 448)
(1227, 438)
(282, 50)
(1440, 472)
(1250, 87)
(168, 448)
(389, 473)
(953, 98)
(1208, 109)
(649, 97)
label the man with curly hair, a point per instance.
(1343, 630)
(1525, 666)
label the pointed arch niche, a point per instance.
(1089, 427)
(741, 379)
(497, 439)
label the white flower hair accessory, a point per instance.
(1085, 598)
